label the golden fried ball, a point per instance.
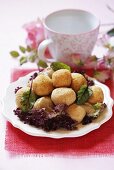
(63, 96)
(77, 81)
(19, 95)
(43, 102)
(76, 112)
(97, 96)
(42, 85)
(61, 78)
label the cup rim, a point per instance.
(70, 9)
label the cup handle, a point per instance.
(41, 50)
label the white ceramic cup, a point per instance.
(67, 32)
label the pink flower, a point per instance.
(109, 58)
(77, 60)
(91, 62)
(35, 33)
(102, 76)
(102, 64)
(103, 40)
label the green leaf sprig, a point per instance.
(99, 108)
(111, 32)
(22, 49)
(42, 64)
(14, 54)
(83, 94)
(59, 65)
(28, 99)
(25, 54)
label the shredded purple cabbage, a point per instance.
(36, 74)
(90, 82)
(81, 71)
(33, 76)
(57, 119)
(17, 88)
(86, 120)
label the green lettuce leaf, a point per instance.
(28, 99)
(42, 64)
(59, 65)
(83, 94)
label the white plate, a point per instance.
(9, 105)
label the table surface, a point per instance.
(13, 15)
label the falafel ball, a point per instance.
(19, 96)
(76, 112)
(63, 96)
(97, 96)
(61, 78)
(43, 102)
(42, 85)
(77, 81)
